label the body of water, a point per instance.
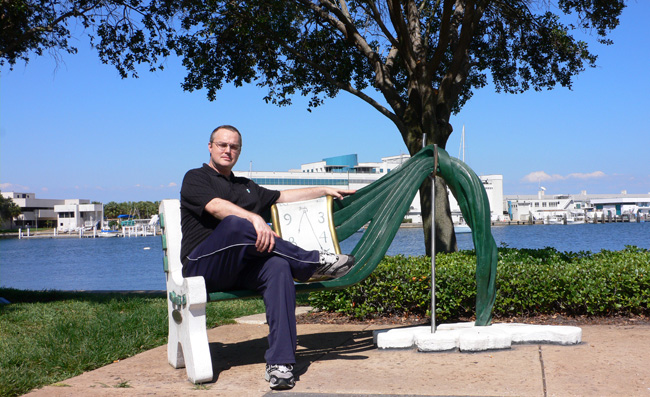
(136, 263)
(117, 263)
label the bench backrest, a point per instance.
(170, 223)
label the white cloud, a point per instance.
(580, 175)
(172, 184)
(10, 187)
(541, 176)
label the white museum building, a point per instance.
(347, 172)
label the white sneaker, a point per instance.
(280, 377)
(333, 266)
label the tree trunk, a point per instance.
(425, 121)
(438, 133)
(445, 236)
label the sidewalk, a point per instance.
(341, 359)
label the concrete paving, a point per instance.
(343, 360)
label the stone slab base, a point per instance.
(466, 337)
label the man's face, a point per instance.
(225, 148)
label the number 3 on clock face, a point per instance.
(307, 224)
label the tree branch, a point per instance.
(382, 75)
(29, 34)
(405, 46)
(459, 68)
(374, 11)
(345, 10)
(392, 56)
(342, 22)
(473, 13)
(345, 87)
(414, 32)
(443, 37)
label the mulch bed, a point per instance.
(554, 319)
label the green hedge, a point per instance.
(529, 282)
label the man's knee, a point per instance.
(277, 270)
(233, 221)
(234, 225)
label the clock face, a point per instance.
(307, 224)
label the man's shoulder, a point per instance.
(200, 172)
(241, 179)
(202, 169)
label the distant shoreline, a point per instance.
(405, 225)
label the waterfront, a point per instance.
(136, 263)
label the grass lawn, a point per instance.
(49, 336)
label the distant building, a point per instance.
(346, 172)
(578, 208)
(64, 214)
(33, 210)
(493, 185)
(76, 213)
(620, 205)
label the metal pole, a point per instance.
(433, 239)
(433, 254)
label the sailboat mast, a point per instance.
(462, 144)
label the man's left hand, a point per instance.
(338, 193)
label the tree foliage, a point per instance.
(416, 62)
(36, 26)
(423, 58)
(8, 209)
(137, 209)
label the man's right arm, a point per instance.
(220, 208)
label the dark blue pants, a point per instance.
(228, 260)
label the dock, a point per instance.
(135, 231)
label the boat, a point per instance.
(564, 218)
(576, 220)
(126, 220)
(554, 219)
(108, 233)
(460, 226)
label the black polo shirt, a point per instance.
(200, 186)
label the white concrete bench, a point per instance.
(187, 344)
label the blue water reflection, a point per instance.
(136, 263)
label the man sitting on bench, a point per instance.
(228, 243)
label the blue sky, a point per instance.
(70, 127)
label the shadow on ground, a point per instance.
(344, 345)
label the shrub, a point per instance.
(529, 282)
